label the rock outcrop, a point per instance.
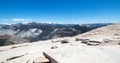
(101, 45)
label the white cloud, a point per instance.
(19, 19)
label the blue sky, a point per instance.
(60, 11)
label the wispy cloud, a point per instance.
(4, 19)
(20, 19)
(6, 23)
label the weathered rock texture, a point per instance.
(101, 45)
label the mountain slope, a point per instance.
(107, 32)
(10, 40)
